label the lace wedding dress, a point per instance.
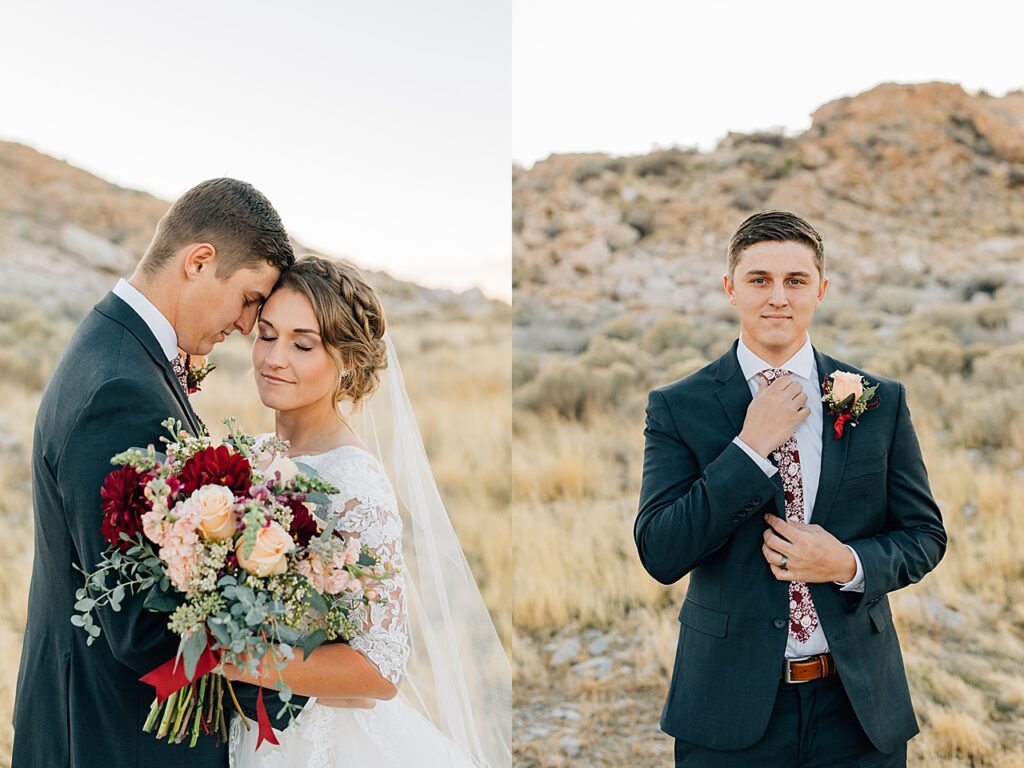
(393, 734)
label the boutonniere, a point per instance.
(848, 396)
(196, 373)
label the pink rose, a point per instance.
(268, 554)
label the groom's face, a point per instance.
(212, 309)
(775, 287)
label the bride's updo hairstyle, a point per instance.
(351, 321)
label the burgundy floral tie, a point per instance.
(180, 366)
(803, 618)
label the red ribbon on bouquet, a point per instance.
(265, 732)
(170, 677)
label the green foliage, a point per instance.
(624, 327)
(667, 332)
(573, 390)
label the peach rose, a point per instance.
(281, 464)
(217, 516)
(845, 384)
(268, 554)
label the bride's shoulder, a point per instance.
(350, 467)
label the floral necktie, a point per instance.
(180, 366)
(803, 618)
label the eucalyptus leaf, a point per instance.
(305, 469)
(160, 602)
(195, 644)
(316, 601)
(318, 498)
(288, 635)
(313, 641)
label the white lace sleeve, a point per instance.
(370, 511)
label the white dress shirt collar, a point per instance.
(151, 316)
(800, 364)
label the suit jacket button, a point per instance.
(755, 501)
(737, 517)
(779, 623)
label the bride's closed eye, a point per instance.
(274, 338)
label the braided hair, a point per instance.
(351, 319)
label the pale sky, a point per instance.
(379, 130)
(618, 77)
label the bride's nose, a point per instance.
(274, 358)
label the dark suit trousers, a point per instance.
(812, 726)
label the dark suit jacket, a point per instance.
(78, 705)
(701, 506)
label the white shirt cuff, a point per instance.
(856, 584)
(766, 466)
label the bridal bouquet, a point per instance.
(226, 540)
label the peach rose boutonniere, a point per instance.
(198, 369)
(848, 396)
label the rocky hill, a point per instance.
(67, 235)
(919, 186)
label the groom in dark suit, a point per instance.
(791, 534)
(216, 255)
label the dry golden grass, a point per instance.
(575, 486)
(458, 376)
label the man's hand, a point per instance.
(774, 414)
(813, 555)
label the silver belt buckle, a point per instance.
(787, 677)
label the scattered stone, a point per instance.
(572, 745)
(568, 651)
(599, 667)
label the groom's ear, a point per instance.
(823, 289)
(199, 257)
(727, 284)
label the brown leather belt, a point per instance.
(803, 670)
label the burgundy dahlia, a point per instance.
(124, 503)
(304, 526)
(217, 466)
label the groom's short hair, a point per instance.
(232, 216)
(778, 226)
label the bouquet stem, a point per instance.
(183, 703)
(165, 721)
(221, 728)
(185, 716)
(238, 706)
(154, 714)
(199, 711)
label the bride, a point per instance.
(425, 682)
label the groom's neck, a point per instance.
(156, 292)
(774, 356)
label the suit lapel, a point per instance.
(733, 394)
(833, 452)
(113, 307)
